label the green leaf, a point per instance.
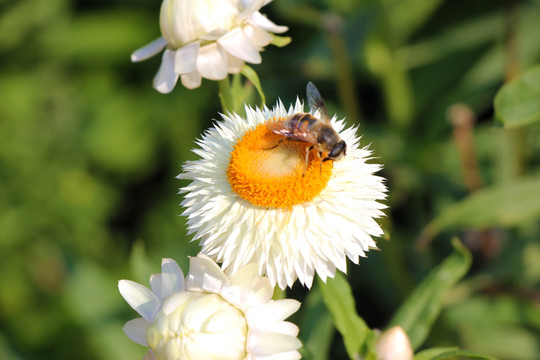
(317, 327)
(498, 324)
(518, 102)
(337, 296)
(406, 16)
(417, 314)
(447, 353)
(141, 265)
(252, 76)
(280, 41)
(507, 205)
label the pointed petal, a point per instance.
(166, 78)
(140, 298)
(250, 7)
(191, 80)
(239, 45)
(172, 277)
(258, 19)
(234, 64)
(149, 50)
(213, 35)
(149, 355)
(173, 302)
(286, 328)
(288, 355)
(247, 288)
(265, 343)
(269, 314)
(185, 60)
(204, 275)
(211, 62)
(258, 37)
(155, 285)
(137, 330)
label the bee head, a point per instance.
(338, 151)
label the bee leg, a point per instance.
(320, 162)
(275, 146)
(307, 158)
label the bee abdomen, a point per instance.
(303, 122)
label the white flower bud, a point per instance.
(198, 326)
(209, 315)
(393, 344)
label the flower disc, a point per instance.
(267, 170)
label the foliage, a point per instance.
(89, 153)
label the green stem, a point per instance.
(343, 67)
(225, 95)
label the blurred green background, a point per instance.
(89, 153)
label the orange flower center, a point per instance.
(268, 171)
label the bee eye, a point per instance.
(338, 151)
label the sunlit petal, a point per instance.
(166, 78)
(212, 62)
(259, 20)
(149, 50)
(185, 60)
(136, 330)
(140, 298)
(192, 80)
(239, 45)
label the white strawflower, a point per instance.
(207, 39)
(394, 344)
(250, 201)
(210, 316)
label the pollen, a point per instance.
(268, 170)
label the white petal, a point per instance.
(258, 37)
(262, 21)
(247, 288)
(250, 7)
(191, 80)
(172, 277)
(211, 62)
(137, 330)
(204, 275)
(185, 60)
(173, 302)
(286, 328)
(234, 64)
(166, 78)
(265, 343)
(239, 45)
(213, 35)
(140, 298)
(155, 285)
(289, 355)
(149, 355)
(149, 50)
(272, 312)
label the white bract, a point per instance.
(210, 316)
(207, 39)
(394, 344)
(307, 223)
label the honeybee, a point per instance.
(305, 127)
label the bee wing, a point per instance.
(316, 102)
(278, 127)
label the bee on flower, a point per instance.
(289, 190)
